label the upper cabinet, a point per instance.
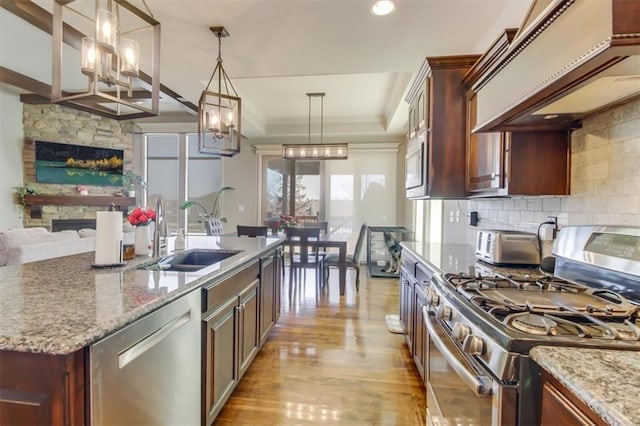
(570, 58)
(435, 159)
(511, 163)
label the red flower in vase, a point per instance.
(141, 216)
(287, 221)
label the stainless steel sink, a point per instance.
(190, 260)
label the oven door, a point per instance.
(459, 390)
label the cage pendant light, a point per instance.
(219, 111)
(110, 59)
(316, 151)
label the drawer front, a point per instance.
(423, 274)
(409, 262)
(217, 293)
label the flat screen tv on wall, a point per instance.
(77, 164)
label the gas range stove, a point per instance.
(497, 318)
(550, 306)
(480, 328)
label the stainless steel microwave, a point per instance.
(416, 166)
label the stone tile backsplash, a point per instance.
(605, 180)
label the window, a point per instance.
(176, 171)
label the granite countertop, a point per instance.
(606, 380)
(58, 306)
(460, 258)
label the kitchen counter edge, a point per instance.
(605, 380)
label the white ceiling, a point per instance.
(279, 50)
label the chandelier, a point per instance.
(316, 151)
(219, 110)
(110, 61)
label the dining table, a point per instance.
(339, 242)
(336, 241)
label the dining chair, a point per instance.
(305, 219)
(303, 252)
(324, 226)
(333, 260)
(252, 231)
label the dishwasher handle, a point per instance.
(142, 346)
(478, 383)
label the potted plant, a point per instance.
(211, 219)
(27, 189)
(129, 181)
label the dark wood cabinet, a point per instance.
(437, 129)
(485, 155)
(230, 335)
(511, 163)
(406, 307)
(248, 325)
(415, 278)
(419, 329)
(239, 312)
(418, 107)
(277, 287)
(561, 407)
(220, 375)
(267, 295)
(40, 389)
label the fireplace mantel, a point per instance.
(35, 202)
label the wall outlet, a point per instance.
(473, 218)
(554, 221)
(547, 233)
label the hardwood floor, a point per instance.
(331, 360)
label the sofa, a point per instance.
(25, 245)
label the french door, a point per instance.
(292, 187)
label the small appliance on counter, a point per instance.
(500, 247)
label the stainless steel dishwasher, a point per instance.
(148, 373)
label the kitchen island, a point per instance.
(606, 381)
(53, 311)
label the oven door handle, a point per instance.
(479, 384)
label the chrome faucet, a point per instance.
(160, 231)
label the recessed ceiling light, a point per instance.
(383, 7)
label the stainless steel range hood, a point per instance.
(569, 59)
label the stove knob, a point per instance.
(433, 299)
(473, 345)
(444, 312)
(460, 331)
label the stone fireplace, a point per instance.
(60, 124)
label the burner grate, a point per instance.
(549, 306)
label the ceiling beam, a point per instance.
(42, 19)
(24, 82)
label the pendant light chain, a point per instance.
(309, 97)
(321, 96)
(219, 63)
(321, 115)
